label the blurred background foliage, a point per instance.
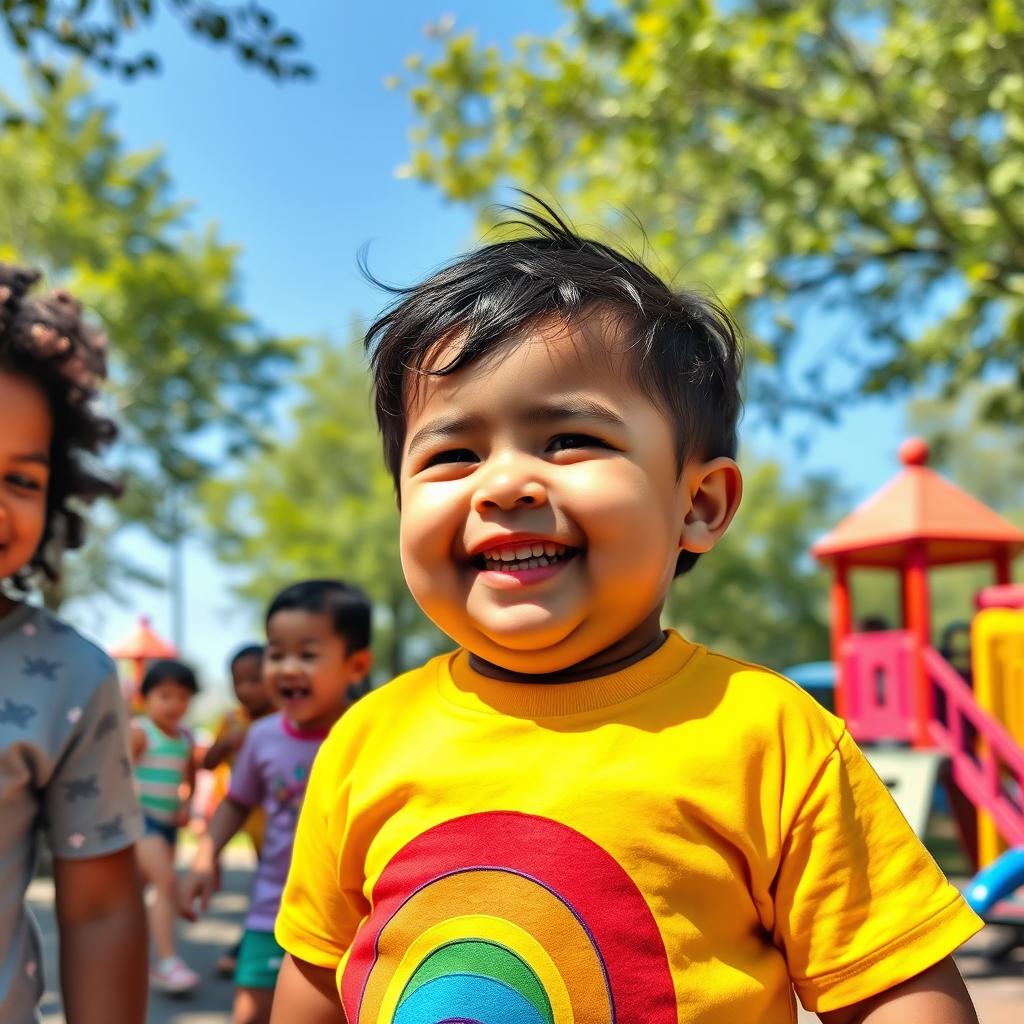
(858, 156)
(191, 369)
(103, 34)
(320, 503)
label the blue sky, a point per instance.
(300, 177)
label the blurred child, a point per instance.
(578, 814)
(63, 730)
(164, 778)
(246, 667)
(318, 638)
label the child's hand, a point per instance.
(235, 736)
(196, 888)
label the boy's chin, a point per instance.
(538, 658)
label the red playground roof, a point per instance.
(142, 644)
(919, 505)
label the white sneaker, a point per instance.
(173, 977)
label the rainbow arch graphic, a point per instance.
(507, 918)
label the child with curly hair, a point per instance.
(63, 735)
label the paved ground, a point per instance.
(200, 945)
(998, 989)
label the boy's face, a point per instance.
(542, 507)
(247, 680)
(308, 667)
(24, 471)
(166, 704)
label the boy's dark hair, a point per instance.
(168, 670)
(686, 352)
(347, 607)
(46, 341)
(246, 651)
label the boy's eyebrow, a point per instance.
(574, 407)
(39, 458)
(440, 429)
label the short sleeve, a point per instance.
(319, 917)
(247, 785)
(90, 807)
(860, 904)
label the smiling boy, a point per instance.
(578, 816)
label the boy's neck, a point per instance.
(173, 731)
(638, 644)
(309, 730)
(7, 605)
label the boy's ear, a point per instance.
(714, 489)
(360, 662)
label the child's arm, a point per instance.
(202, 880)
(228, 741)
(137, 742)
(937, 995)
(102, 938)
(306, 992)
(188, 788)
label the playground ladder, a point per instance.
(988, 765)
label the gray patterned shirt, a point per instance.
(64, 770)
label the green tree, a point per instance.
(191, 368)
(319, 502)
(859, 156)
(758, 595)
(100, 31)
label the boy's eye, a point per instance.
(453, 455)
(26, 483)
(570, 442)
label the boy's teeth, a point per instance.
(538, 555)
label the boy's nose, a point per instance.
(508, 487)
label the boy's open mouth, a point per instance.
(294, 691)
(523, 555)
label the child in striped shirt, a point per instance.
(164, 778)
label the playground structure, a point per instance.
(140, 647)
(894, 689)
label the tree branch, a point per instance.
(873, 85)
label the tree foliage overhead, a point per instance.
(864, 156)
(99, 32)
(191, 370)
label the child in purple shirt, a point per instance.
(318, 638)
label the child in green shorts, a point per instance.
(318, 638)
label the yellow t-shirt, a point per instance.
(684, 840)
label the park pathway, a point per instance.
(200, 945)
